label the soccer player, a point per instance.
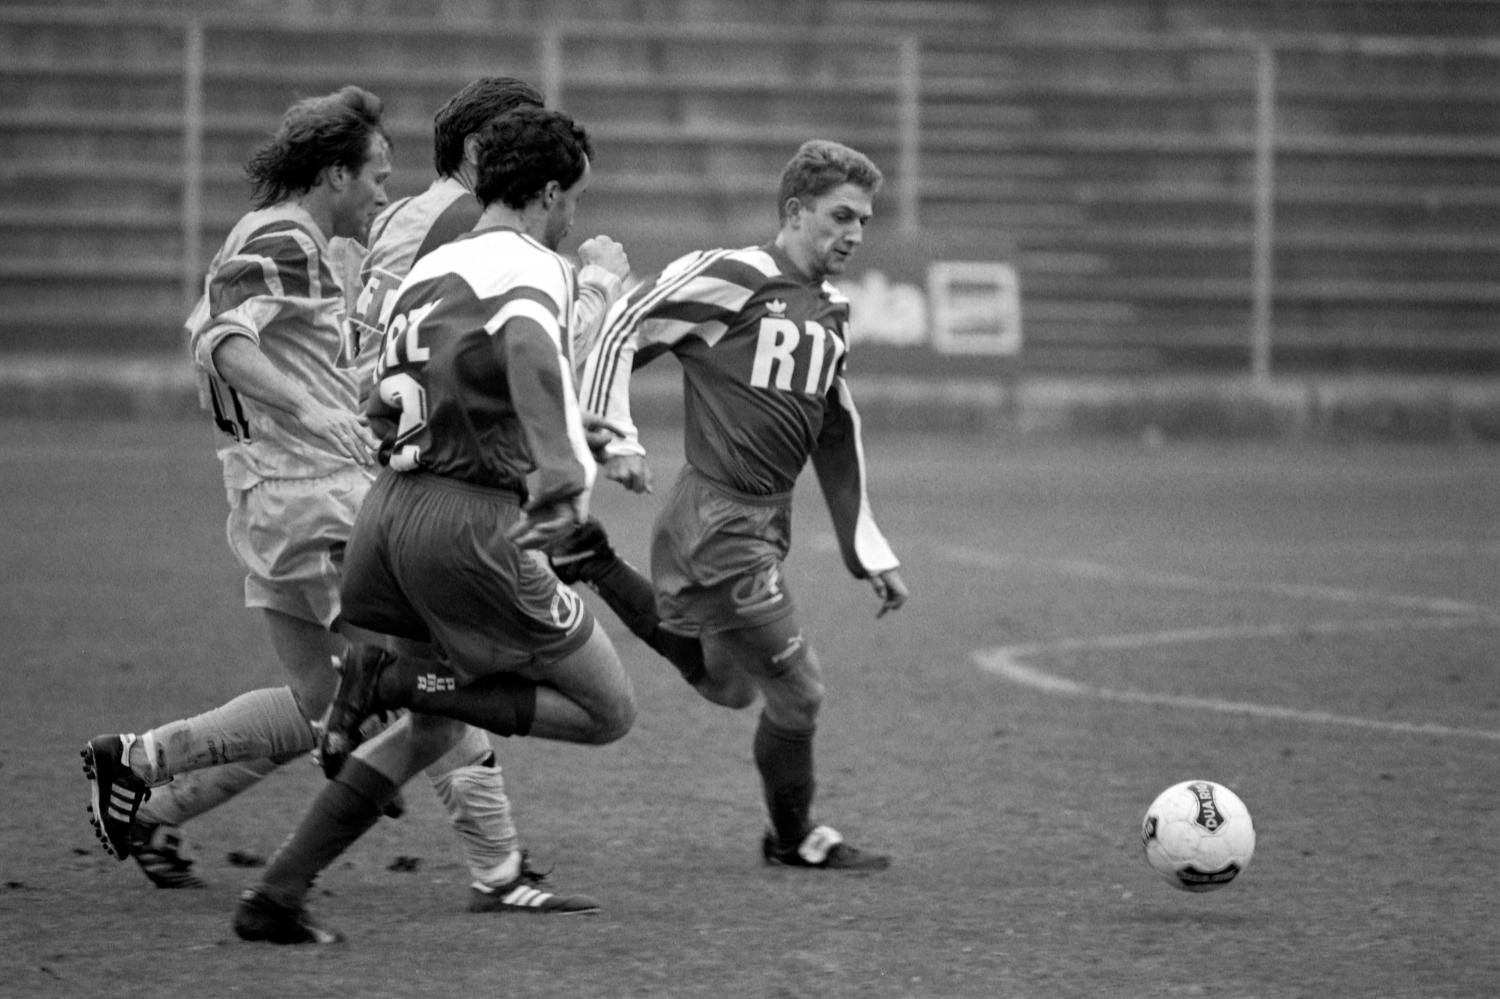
(405, 232)
(486, 455)
(271, 339)
(762, 337)
(412, 227)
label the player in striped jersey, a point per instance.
(271, 338)
(487, 455)
(410, 228)
(271, 343)
(762, 337)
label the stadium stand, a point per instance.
(1171, 179)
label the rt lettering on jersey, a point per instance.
(782, 351)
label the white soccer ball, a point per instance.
(1198, 835)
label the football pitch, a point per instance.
(1313, 625)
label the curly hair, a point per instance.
(521, 151)
(819, 166)
(315, 133)
(467, 112)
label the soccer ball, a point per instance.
(1198, 835)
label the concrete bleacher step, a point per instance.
(1112, 165)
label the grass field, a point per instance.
(1314, 626)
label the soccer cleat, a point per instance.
(259, 918)
(116, 794)
(161, 853)
(525, 894)
(354, 700)
(581, 553)
(823, 848)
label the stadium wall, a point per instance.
(1252, 188)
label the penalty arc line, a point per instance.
(1006, 662)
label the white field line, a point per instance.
(1199, 584)
(1007, 661)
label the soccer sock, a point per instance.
(341, 813)
(471, 787)
(683, 651)
(255, 725)
(630, 595)
(785, 761)
(500, 703)
(192, 794)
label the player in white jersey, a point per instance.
(486, 455)
(271, 339)
(275, 363)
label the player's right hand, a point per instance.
(606, 252)
(543, 524)
(343, 431)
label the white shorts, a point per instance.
(290, 534)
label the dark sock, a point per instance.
(500, 703)
(683, 651)
(630, 595)
(340, 814)
(785, 761)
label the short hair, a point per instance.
(468, 110)
(315, 133)
(819, 166)
(522, 150)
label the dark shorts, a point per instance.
(429, 561)
(716, 557)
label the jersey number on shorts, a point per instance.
(400, 389)
(795, 360)
(229, 415)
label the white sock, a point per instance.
(192, 794)
(473, 794)
(253, 726)
(501, 874)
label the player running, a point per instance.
(486, 454)
(762, 337)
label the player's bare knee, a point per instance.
(612, 723)
(727, 686)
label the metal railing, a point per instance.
(908, 84)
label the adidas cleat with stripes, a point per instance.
(525, 894)
(116, 792)
(823, 849)
(258, 919)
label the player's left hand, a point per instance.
(631, 471)
(544, 524)
(891, 590)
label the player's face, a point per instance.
(363, 194)
(560, 216)
(826, 229)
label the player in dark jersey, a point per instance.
(469, 779)
(411, 228)
(486, 456)
(762, 338)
